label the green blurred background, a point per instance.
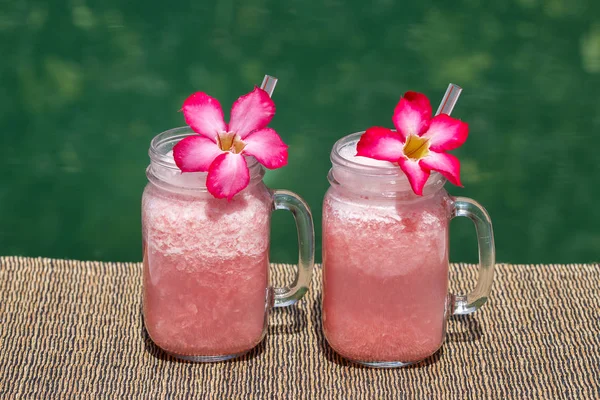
(86, 85)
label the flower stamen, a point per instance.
(230, 141)
(416, 147)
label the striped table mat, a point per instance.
(71, 329)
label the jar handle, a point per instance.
(465, 207)
(284, 200)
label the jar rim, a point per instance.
(338, 160)
(163, 171)
(160, 146)
(383, 173)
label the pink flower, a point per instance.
(419, 143)
(220, 148)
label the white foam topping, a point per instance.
(349, 153)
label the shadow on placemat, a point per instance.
(294, 320)
(470, 329)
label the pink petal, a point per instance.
(228, 175)
(381, 144)
(446, 164)
(195, 153)
(204, 115)
(250, 112)
(416, 175)
(412, 114)
(267, 147)
(446, 133)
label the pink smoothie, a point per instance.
(205, 270)
(385, 276)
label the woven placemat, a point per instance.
(74, 329)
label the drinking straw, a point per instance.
(449, 100)
(268, 84)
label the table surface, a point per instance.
(74, 329)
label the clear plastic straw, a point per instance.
(449, 100)
(268, 84)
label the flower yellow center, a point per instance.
(230, 141)
(416, 147)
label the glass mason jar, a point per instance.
(206, 261)
(385, 261)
